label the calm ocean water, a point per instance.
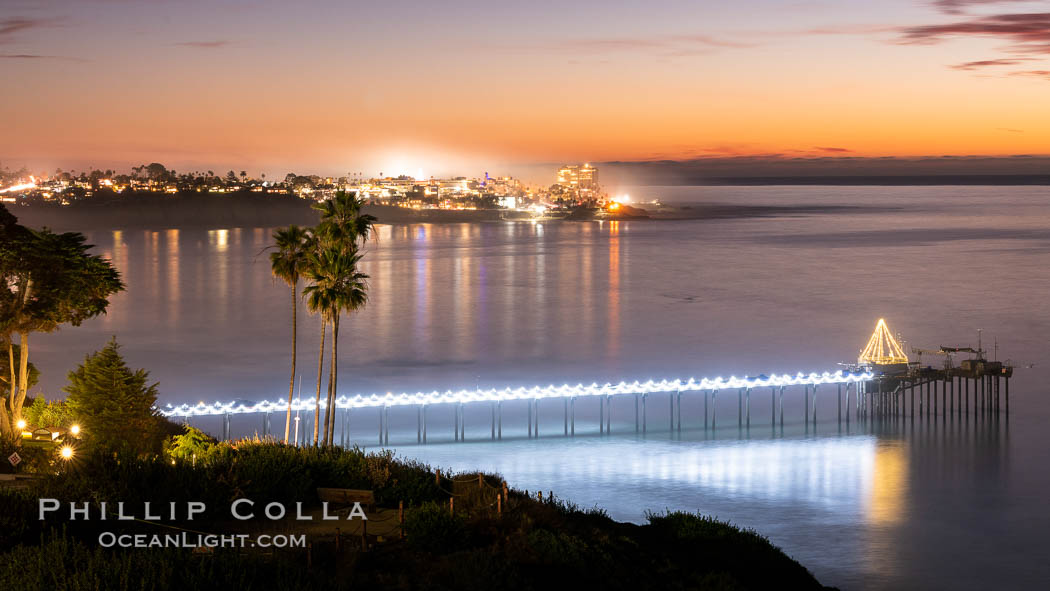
(906, 505)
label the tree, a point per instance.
(114, 404)
(154, 171)
(190, 444)
(42, 413)
(46, 280)
(287, 263)
(343, 230)
(337, 286)
(8, 376)
(343, 223)
(318, 302)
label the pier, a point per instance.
(883, 383)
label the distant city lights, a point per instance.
(22, 187)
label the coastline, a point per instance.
(252, 211)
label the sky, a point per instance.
(460, 86)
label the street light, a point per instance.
(74, 429)
(66, 452)
(21, 424)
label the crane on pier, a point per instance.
(948, 361)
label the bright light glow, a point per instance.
(614, 206)
(74, 429)
(882, 348)
(23, 187)
(21, 423)
(66, 452)
(533, 393)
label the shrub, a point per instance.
(48, 414)
(410, 481)
(37, 458)
(190, 445)
(689, 526)
(557, 548)
(62, 562)
(432, 528)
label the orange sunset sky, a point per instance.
(449, 87)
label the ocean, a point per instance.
(950, 503)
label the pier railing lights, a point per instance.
(522, 393)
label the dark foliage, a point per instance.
(532, 544)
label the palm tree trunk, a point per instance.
(332, 380)
(291, 383)
(335, 388)
(328, 395)
(320, 366)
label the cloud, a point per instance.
(9, 27)
(960, 6)
(1025, 33)
(204, 44)
(711, 41)
(831, 149)
(1045, 74)
(850, 30)
(35, 56)
(987, 63)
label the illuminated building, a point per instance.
(575, 176)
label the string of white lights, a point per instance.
(533, 393)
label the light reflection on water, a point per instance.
(793, 489)
(953, 505)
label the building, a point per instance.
(574, 176)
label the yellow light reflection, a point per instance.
(889, 485)
(613, 345)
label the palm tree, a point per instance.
(336, 286)
(288, 262)
(319, 301)
(343, 223)
(343, 226)
(351, 295)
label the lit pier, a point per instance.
(883, 382)
(567, 393)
